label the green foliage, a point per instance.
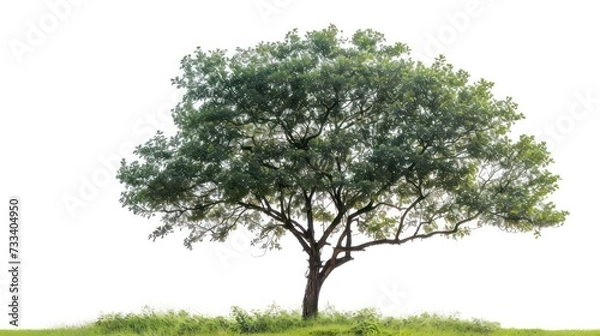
(366, 323)
(275, 321)
(447, 323)
(331, 331)
(347, 132)
(150, 321)
(366, 328)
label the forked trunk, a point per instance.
(310, 304)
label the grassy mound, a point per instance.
(275, 321)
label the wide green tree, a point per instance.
(342, 143)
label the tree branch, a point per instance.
(332, 264)
(310, 232)
(410, 207)
(397, 241)
(288, 224)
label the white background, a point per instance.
(82, 82)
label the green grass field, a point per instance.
(275, 321)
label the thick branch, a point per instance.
(310, 233)
(332, 264)
(336, 221)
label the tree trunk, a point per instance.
(310, 304)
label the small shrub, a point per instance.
(245, 323)
(365, 328)
(273, 319)
(366, 322)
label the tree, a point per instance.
(343, 144)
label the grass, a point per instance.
(275, 321)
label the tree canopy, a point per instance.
(343, 143)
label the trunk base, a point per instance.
(310, 304)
